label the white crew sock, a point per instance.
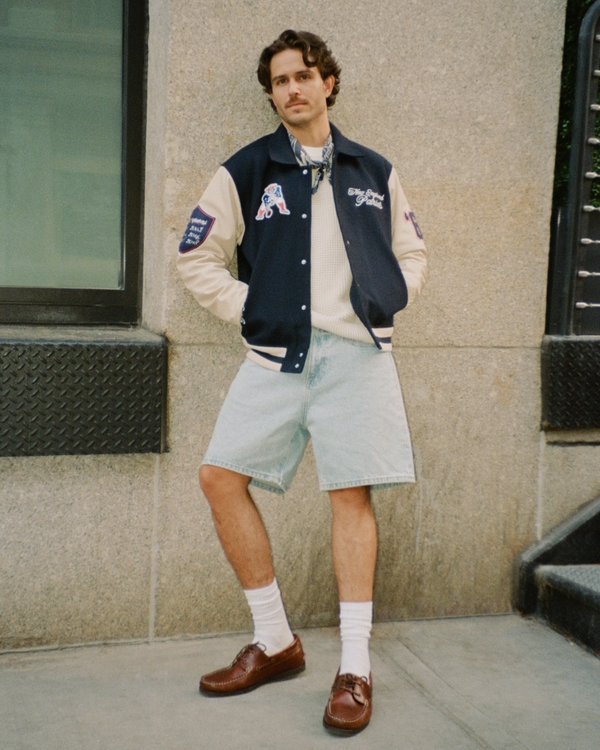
(356, 619)
(271, 627)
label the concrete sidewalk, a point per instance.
(481, 682)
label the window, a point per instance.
(71, 149)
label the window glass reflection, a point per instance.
(60, 143)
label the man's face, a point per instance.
(298, 92)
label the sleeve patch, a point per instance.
(411, 217)
(197, 230)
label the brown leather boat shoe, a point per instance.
(252, 668)
(350, 705)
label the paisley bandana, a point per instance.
(322, 168)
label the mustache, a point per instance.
(295, 101)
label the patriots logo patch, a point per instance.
(197, 230)
(272, 197)
(411, 217)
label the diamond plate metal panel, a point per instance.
(571, 382)
(69, 397)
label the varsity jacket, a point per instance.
(260, 203)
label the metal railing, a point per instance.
(574, 299)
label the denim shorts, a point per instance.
(347, 399)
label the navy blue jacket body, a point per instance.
(274, 255)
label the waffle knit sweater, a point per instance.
(330, 277)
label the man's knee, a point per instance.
(350, 499)
(215, 481)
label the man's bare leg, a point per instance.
(246, 545)
(239, 526)
(245, 542)
(354, 543)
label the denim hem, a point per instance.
(375, 483)
(258, 479)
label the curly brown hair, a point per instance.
(314, 53)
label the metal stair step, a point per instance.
(569, 600)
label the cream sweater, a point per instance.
(331, 277)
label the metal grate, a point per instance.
(570, 382)
(78, 397)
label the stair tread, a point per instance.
(581, 581)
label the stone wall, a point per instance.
(462, 97)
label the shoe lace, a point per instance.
(246, 650)
(351, 684)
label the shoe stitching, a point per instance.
(249, 647)
(245, 673)
(347, 683)
(236, 679)
(348, 721)
(248, 671)
(292, 653)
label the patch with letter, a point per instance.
(366, 197)
(411, 217)
(272, 197)
(197, 230)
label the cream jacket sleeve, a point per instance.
(407, 240)
(204, 267)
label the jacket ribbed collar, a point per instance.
(280, 149)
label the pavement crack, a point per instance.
(443, 696)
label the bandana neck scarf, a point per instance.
(322, 168)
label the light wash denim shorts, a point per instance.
(347, 399)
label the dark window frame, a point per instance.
(43, 305)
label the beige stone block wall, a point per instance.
(75, 550)
(462, 97)
(569, 475)
(448, 544)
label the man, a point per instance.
(328, 250)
